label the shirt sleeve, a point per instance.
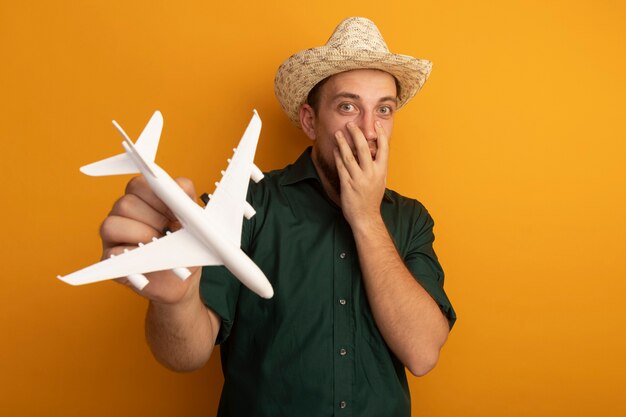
(219, 291)
(423, 264)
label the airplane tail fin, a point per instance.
(126, 163)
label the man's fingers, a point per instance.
(361, 146)
(133, 207)
(122, 231)
(342, 171)
(140, 215)
(382, 153)
(347, 157)
(139, 187)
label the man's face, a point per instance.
(361, 96)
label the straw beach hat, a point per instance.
(356, 43)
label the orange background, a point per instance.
(516, 145)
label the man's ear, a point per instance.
(307, 120)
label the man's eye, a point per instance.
(346, 107)
(385, 110)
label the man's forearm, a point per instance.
(181, 336)
(408, 318)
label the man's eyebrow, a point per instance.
(358, 97)
(389, 98)
(346, 95)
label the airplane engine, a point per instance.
(138, 281)
(182, 273)
(256, 174)
(248, 211)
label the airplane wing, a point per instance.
(176, 250)
(227, 204)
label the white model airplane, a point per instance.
(209, 235)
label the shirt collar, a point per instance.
(303, 169)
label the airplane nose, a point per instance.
(268, 293)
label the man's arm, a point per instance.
(180, 330)
(182, 335)
(408, 318)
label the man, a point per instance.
(358, 288)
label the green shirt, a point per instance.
(314, 348)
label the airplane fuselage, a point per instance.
(193, 218)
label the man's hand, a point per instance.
(363, 177)
(138, 216)
(180, 329)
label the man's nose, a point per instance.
(366, 124)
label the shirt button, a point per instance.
(342, 301)
(343, 352)
(343, 404)
(342, 255)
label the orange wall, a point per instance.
(516, 145)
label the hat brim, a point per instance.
(302, 71)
